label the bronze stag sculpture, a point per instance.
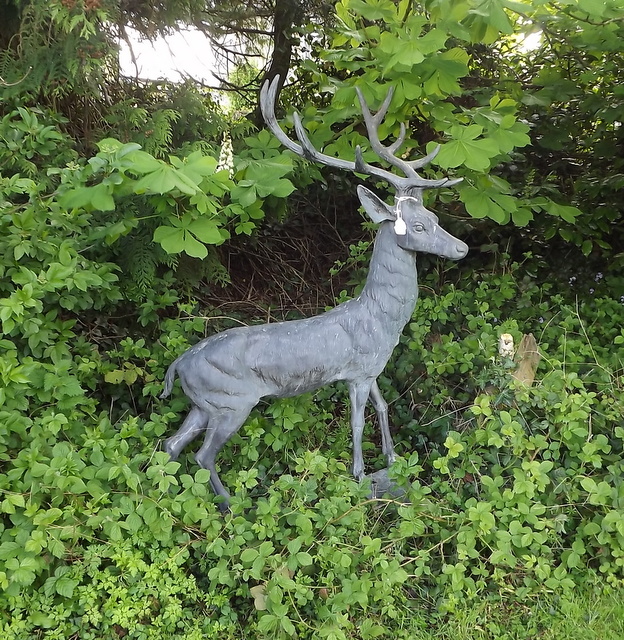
(226, 375)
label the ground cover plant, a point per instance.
(514, 492)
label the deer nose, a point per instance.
(460, 249)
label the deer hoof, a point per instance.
(358, 473)
(169, 448)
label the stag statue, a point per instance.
(226, 375)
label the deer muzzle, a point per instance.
(458, 250)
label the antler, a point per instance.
(372, 122)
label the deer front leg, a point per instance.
(381, 407)
(358, 394)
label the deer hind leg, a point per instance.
(381, 407)
(223, 426)
(358, 394)
(193, 425)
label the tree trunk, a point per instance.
(9, 23)
(286, 16)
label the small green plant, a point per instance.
(512, 490)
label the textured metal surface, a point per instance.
(226, 375)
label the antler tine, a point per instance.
(387, 153)
(395, 146)
(422, 162)
(306, 149)
(373, 122)
(310, 153)
(383, 109)
(268, 94)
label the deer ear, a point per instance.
(376, 208)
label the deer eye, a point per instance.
(419, 228)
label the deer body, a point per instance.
(226, 375)
(313, 352)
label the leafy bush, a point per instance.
(512, 490)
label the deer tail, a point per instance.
(169, 378)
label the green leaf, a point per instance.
(480, 204)
(467, 149)
(443, 71)
(114, 377)
(171, 239)
(288, 626)
(97, 197)
(591, 529)
(267, 170)
(407, 55)
(521, 216)
(206, 230)
(594, 8)
(258, 593)
(101, 198)
(198, 166)
(374, 9)
(202, 476)
(111, 145)
(57, 274)
(248, 556)
(143, 162)
(165, 180)
(565, 212)
(193, 247)
(47, 517)
(282, 188)
(304, 558)
(65, 586)
(246, 196)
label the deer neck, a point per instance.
(391, 288)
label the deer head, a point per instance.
(416, 228)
